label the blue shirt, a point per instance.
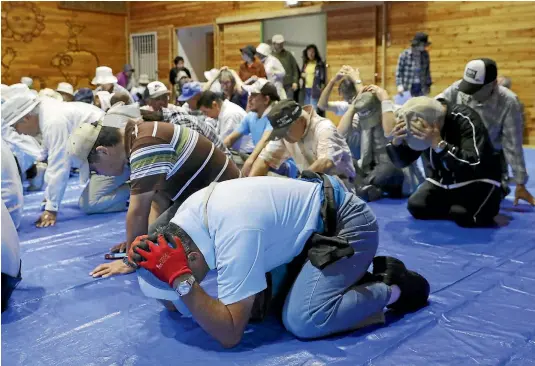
(264, 226)
(254, 126)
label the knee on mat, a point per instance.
(417, 208)
(89, 207)
(298, 327)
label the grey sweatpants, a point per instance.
(105, 194)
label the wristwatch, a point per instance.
(184, 287)
(440, 147)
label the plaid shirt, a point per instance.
(503, 118)
(405, 72)
(190, 121)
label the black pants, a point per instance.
(386, 177)
(8, 285)
(475, 204)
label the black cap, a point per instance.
(281, 117)
(477, 74)
(420, 38)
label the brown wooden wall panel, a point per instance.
(235, 36)
(351, 41)
(55, 45)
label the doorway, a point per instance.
(196, 46)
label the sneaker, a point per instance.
(37, 182)
(414, 287)
(370, 193)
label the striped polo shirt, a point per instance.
(173, 160)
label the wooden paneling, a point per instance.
(351, 40)
(461, 31)
(53, 45)
(235, 36)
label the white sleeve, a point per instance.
(10, 245)
(59, 167)
(340, 107)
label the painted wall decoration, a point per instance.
(75, 64)
(8, 56)
(22, 21)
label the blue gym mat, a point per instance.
(482, 307)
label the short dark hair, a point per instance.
(269, 90)
(120, 97)
(208, 98)
(347, 86)
(108, 136)
(178, 59)
(172, 230)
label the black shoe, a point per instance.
(387, 267)
(370, 193)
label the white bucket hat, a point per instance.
(263, 49)
(143, 79)
(103, 75)
(119, 115)
(27, 80)
(14, 89)
(18, 106)
(49, 93)
(156, 89)
(65, 88)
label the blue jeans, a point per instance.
(309, 100)
(328, 301)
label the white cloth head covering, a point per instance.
(28, 81)
(105, 100)
(119, 115)
(14, 89)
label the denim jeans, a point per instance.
(309, 100)
(328, 301)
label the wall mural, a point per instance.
(21, 21)
(75, 64)
(8, 56)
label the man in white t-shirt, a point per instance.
(225, 117)
(211, 232)
(311, 140)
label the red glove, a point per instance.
(164, 262)
(131, 254)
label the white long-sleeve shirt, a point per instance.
(275, 74)
(11, 184)
(57, 120)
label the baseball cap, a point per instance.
(263, 49)
(81, 142)
(421, 38)
(477, 74)
(119, 115)
(157, 89)
(368, 108)
(189, 90)
(428, 109)
(281, 117)
(18, 106)
(277, 38)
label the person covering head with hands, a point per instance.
(157, 187)
(463, 172)
(501, 113)
(55, 121)
(231, 85)
(291, 228)
(311, 140)
(349, 86)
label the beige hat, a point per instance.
(428, 109)
(103, 75)
(119, 115)
(368, 108)
(143, 79)
(263, 49)
(49, 93)
(157, 89)
(65, 88)
(81, 142)
(277, 38)
(17, 107)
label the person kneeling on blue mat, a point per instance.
(463, 171)
(325, 236)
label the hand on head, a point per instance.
(379, 92)
(398, 133)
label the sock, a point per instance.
(394, 295)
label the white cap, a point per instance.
(49, 93)
(157, 89)
(256, 87)
(119, 115)
(105, 99)
(143, 79)
(277, 38)
(14, 89)
(28, 81)
(65, 88)
(103, 75)
(81, 142)
(17, 107)
(263, 49)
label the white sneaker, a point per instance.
(36, 183)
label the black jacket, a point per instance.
(468, 156)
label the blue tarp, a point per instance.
(482, 307)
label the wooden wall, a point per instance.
(53, 45)
(459, 31)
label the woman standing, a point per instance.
(313, 75)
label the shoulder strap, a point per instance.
(205, 200)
